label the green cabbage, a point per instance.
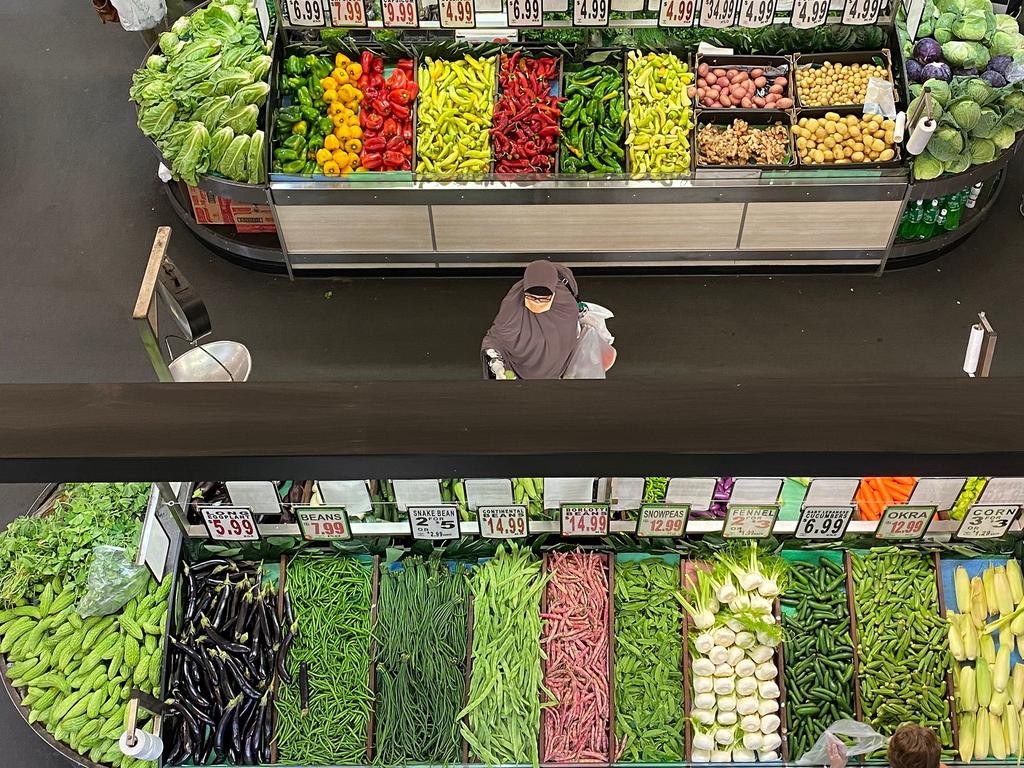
(1015, 120)
(1006, 43)
(232, 164)
(241, 119)
(227, 81)
(973, 25)
(220, 140)
(1006, 23)
(254, 168)
(254, 93)
(926, 167)
(1003, 136)
(977, 90)
(940, 90)
(942, 35)
(936, 108)
(987, 123)
(982, 151)
(965, 113)
(1013, 100)
(156, 119)
(945, 21)
(946, 143)
(961, 54)
(191, 159)
(959, 164)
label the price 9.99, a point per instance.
(399, 13)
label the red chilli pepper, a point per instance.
(366, 61)
(525, 124)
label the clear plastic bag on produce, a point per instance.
(880, 98)
(860, 739)
(137, 15)
(594, 353)
(113, 580)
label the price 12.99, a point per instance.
(457, 14)
(524, 13)
(590, 13)
(808, 14)
(348, 13)
(757, 13)
(676, 13)
(861, 11)
(305, 13)
(399, 13)
(905, 521)
(230, 523)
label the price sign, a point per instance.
(323, 523)
(305, 13)
(676, 13)
(590, 13)
(987, 521)
(824, 523)
(904, 522)
(662, 520)
(584, 519)
(435, 522)
(750, 521)
(861, 11)
(457, 14)
(230, 523)
(525, 13)
(399, 13)
(757, 13)
(505, 522)
(718, 13)
(348, 13)
(808, 14)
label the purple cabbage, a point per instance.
(993, 78)
(915, 71)
(965, 72)
(1000, 64)
(927, 50)
(939, 70)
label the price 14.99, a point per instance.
(524, 13)
(399, 13)
(676, 13)
(504, 522)
(305, 13)
(590, 13)
(457, 14)
(584, 519)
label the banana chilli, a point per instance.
(576, 643)
(525, 132)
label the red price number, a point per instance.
(457, 14)
(399, 13)
(907, 527)
(904, 521)
(584, 519)
(676, 13)
(524, 13)
(230, 524)
(348, 13)
(502, 522)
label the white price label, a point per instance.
(718, 13)
(750, 521)
(987, 521)
(457, 14)
(824, 523)
(524, 13)
(305, 13)
(399, 13)
(263, 13)
(1003, 490)
(915, 11)
(435, 522)
(757, 13)
(904, 522)
(505, 522)
(829, 491)
(861, 11)
(323, 523)
(625, 492)
(695, 491)
(230, 523)
(487, 492)
(662, 520)
(808, 14)
(676, 13)
(590, 13)
(584, 519)
(348, 13)
(940, 491)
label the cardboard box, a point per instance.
(252, 218)
(210, 209)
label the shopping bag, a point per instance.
(861, 739)
(137, 15)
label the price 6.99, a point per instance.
(306, 12)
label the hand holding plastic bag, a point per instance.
(114, 579)
(137, 15)
(830, 750)
(594, 353)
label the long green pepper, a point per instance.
(592, 121)
(506, 685)
(331, 602)
(421, 660)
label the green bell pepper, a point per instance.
(289, 115)
(311, 115)
(295, 166)
(295, 142)
(324, 125)
(294, 65)
(285, 155)
(315, 91)
(323, 68)
(310, 168)
(304, 97)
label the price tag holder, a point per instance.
(861, 11)
(824, 523)
(323, 523)
(676, 13)
(484, 492)
(434, 523)
(750, 521)
(695, 491)
(399, 13)
(757, 13)
(1003, 490)
(718, 13)
(830, 491)
(626, 493)
(584, 519)
(457, 14)
(662, 520)
(987, 521)
(590, 13)
(904, 522)
(524, 13)
(348, 13)
(940, 491)
(305, 13)
(230, 523)
(808, 14)
(504, 522)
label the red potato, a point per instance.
(746, 103)
(756, 72)
(781, 81)
(702, 83)
(724, 100)
(709, 102)
(748, 85)
(741, 77)
(737, 92)
(759, 81)
(719, 73)
(784, 103)
(758, 101)
(713, 92)
(723, 82)
(702, 70)
(776, 89)
(691, 91)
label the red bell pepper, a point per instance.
(381, 106)
(366, 59)
(393, 158)
(407, 150)
(395, 143)
(402, 113)
(398, 79)
(363, 83)
(400, 96)
(378, 65)
(407, 131)
(389, 128)
(376, 144)
(372, 161)
(370, 120)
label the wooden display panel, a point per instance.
(851, 224)
(355, 228)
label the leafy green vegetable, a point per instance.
(939, 90)
(209, 113)
(965, 54)
(156, 62)
(233, 163)
(965, 113)
(926, 167)
(971, 26)
(987, 123)
(191, 160)
(256, 93)
(241, 119)
(977, 90)
(959, 164)
(983, 151)
(254, 159)
(1004, 136)
(156, 119)
(946, 143)
(220, 140)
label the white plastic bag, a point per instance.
(880, 98)
(594, 353)
(137, 15)
(865, 740)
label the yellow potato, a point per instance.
(830, 126)
(887, 154)
(801, 143)
(827, 156)
(857, 157)
(820, 134)
(858, 146)
(830, 142)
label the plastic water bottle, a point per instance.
(931, 214)
(973, 197)
(953, 209)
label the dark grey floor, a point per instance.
(81, 201)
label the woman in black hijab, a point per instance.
(537, 324)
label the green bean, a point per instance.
(331, 601)
(648, 662)
(421, 659)
(506, 683)
(902, 644)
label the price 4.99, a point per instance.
(457, 14)
(590, 13)
(676, 13)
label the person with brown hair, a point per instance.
(911, 746)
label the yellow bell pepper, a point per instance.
(359, 94)
(353, 159)
(323, 155)
(346, 93)
(330, 96)
(341, 133)
(355, 131)
(331, 168)
(342, 158)
(340, 76)
(332, 142)
(341, 61)
(352, 105)
(335, 108)
(354, 70)
(353, 122)
(360, 169)
(353, 145)
(328, 83)
(339, 120)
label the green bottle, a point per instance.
(916, 214)
(931, 213)
(953, 211)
